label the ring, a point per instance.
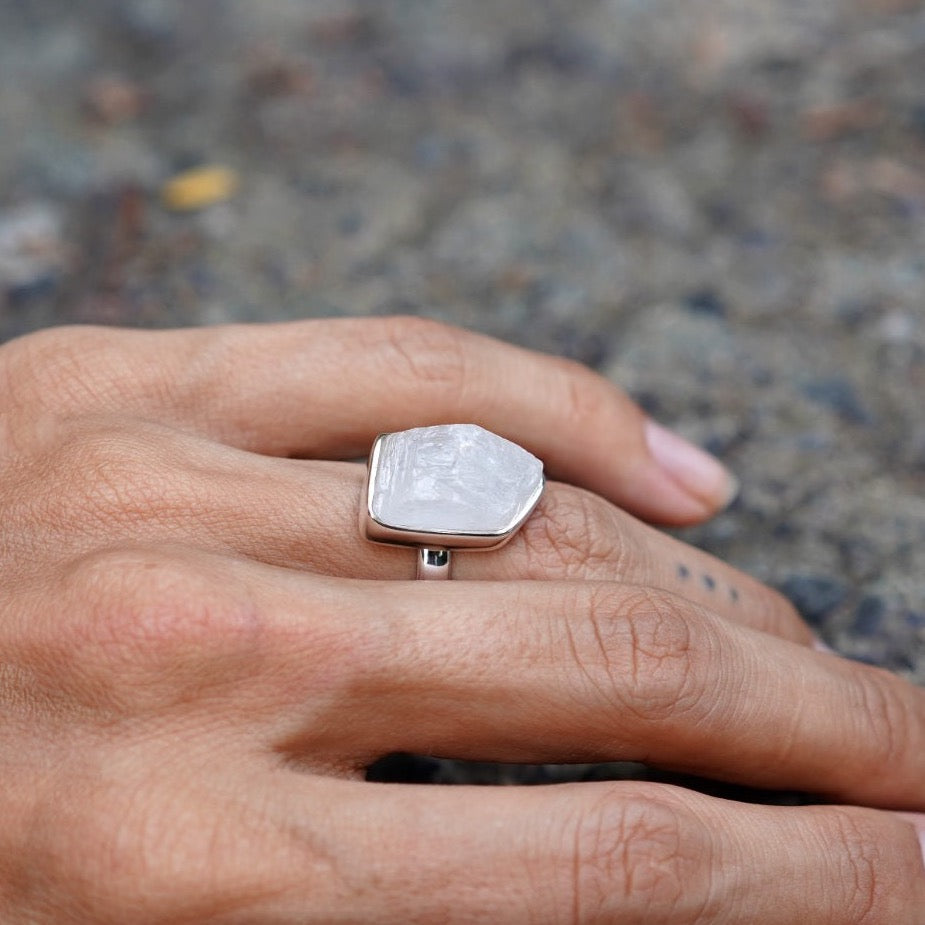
(448, 487)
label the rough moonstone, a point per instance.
(453, 478)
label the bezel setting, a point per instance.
(376, 530)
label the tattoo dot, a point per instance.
(684, 572)
(709, 582)
(734, 594)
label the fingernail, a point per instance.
(821, 646)
(695, 470)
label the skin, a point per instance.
(199, 657)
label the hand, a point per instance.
(199, 657)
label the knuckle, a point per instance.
(586, 399)
(571, 533)
(645, 858)
(54, 368)
(92, 478)
(889, 723)
(117, 482)
(105, 464)
(639, 651)
(868, 889)
(156, 610)
(423, 352)
(124, 854)
(662, 648)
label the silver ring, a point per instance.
(448, 487)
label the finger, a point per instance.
(589, 853)
(147, 483)
(541, 672)
(327, 388)
(917, 821)
(572, 535)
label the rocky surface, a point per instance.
(719, 204)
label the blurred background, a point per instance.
(719, 204)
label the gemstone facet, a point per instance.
(452, 479)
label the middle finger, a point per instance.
(145, 483)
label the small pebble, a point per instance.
(276, 75)
(347, 28)
(706, 302)
(814, 596)
(838, 395)
(199, 188)
(897, 180)
(749, 115)
(869, 615)
(915, 620)
(897, 327)
(917, 119)
(110, 99)
(824, 123)
(31, 250)
(149, 23)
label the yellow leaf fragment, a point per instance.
(199, 188)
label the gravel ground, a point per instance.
(720, 205)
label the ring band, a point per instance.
(445, 488)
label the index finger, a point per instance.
(326, 388)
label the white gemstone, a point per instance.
(453, 478)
